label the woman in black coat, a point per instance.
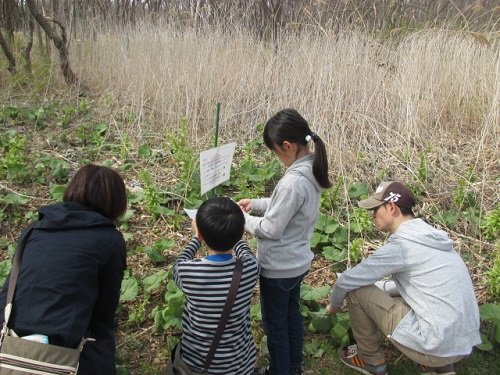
(72, 268)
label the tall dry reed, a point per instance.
(383, 106)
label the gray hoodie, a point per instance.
(433, 280)
(284, 232)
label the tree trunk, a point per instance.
(9, 8)
(59, 41)
(28, 44)
(8, 54)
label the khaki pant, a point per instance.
(374, 315)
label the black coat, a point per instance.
(69, 284)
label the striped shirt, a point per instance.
(205, 283)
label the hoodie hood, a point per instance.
(418, 231)
(70, 215)
(303, 166)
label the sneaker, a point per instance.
(349, 356)
(443, 370)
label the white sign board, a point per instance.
(215, 166)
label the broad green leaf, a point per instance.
(357, 190)
(135, 197)
(164, 243)
(321, 322)
(154, 281)
(57, 192)
(332, 253)
(314, 349)
(315, 239)
(322, 222)
(331, 228)
(154, 254)
(127, 216)
(356, 227)
(5, 266)
(14, 199)
(309, 293)
(129, 289)
(340, 236)
(490, 311)
(339, 331)
(486, 345)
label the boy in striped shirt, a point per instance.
(205, 282)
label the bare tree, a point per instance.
(28, 44)
(60, 41)
(8, 53)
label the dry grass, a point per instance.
(380, 104)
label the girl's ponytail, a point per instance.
(320, 165)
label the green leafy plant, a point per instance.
(257, 171)
(186, 159)
(357, 190)
(92, 134)
(154, 200)
(10, 206)
(463, 197)
(14, 164)
(6, 264)
(155, 251)
(356, 250)
(8, 114)
(169, 315)
(490, 314)
(493, 275)
(129, 288)
(490, 226)
(49, 169)
(38, 116)
(360, 221)
(337, 325)
(330, 199)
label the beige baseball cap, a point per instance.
(389, 192)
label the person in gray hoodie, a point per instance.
(284, 232)
(435, 321)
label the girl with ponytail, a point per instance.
(283, 230)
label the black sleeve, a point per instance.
(110, 279)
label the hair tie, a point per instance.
(311, 137)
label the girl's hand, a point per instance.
(196, 232)
(245, 204)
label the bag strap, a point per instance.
(14, 273)
(233, 290)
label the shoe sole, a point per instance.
(360, 370)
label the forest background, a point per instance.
(405, 90)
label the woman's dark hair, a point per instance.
(221, 223)
(100, 188)
(289, 125)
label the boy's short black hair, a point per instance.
(221, 223)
